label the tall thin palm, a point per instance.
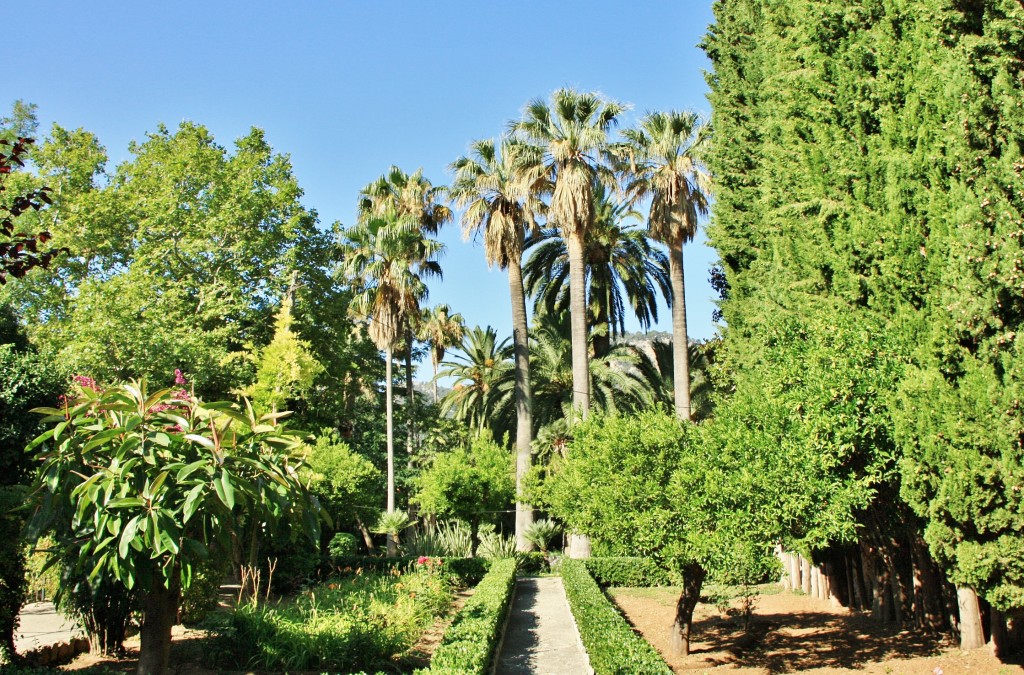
(483, 386)
(387, 260)
(663, 161)
(414, 200)
(573, 134)
(440, 329)
(498, 185)
(621, 266)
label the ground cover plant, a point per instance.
(359, 622)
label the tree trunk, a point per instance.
(927, 587)
(997, 626)
(972, 635)
(579, 546)
(693, 579)
(410, 397)
(160, 608)
(367, 538)
(524, 402)
(680, 337)
(578, 320)
(389, 406)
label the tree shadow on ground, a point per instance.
(803, 640)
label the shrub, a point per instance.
(348, 625)
(469, 643)
(533, 562)
(465, 571)
(541, 533)
(342, 544)
(632, 572)
(200, 598)
(613, 647)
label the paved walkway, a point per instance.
(41, 625)
(541, 636)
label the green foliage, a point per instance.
(541, 533)
(343, 544)
(360, 622)
(867, 216)
(12, 568)
(464, 571)
(447, 538)
(141, 487)
(200, 598)
(630, 572)
(471, 484)
(469, 643)
(285, 368)
(175, 259)
(341, 479)
(653, 486)
(611, 644)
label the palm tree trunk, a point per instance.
(578, 320)
(680, 339)
(410, 397)
(524, 402)
(392, 549)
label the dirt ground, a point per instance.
(795, 633)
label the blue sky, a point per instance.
(349, 88)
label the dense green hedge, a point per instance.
(613, 647)
(469, 643)
(633, 572)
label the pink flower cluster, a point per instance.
(86, 382)
(428, 561)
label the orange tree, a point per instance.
(144, 486)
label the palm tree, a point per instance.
(573, 134)
(413, 199)
(663, 161)
(618, 381)
(387, 260)
(482, 393)
(498, 186)
(621, 266)
(440, 329)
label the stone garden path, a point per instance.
(541, 636)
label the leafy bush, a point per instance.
(200, 598)
(541, 533)
(448, 538)
(357, 623)
(342, 544)
(43, 581)
(495, 547)
(613, 647)
(632, 572)
(469, 643)
(464, 571)
(534, 562)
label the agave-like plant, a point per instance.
(494, 546)
(392, 523)
(542, 532)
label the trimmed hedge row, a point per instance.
(469, 643)
(631, 572)
(613, 647)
